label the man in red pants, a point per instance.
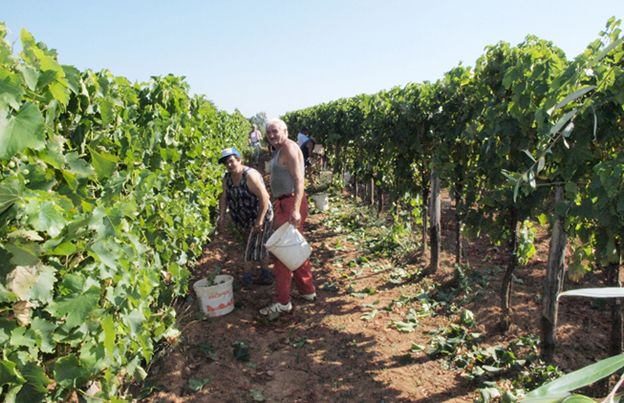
(290, 204)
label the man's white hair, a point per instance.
(279, 123)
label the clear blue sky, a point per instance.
(276, 56)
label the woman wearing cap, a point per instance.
(247, 199)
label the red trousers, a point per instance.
(283, 277)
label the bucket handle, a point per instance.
(286, 245)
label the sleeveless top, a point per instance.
(242, 203)
(282, 183)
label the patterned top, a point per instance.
(242, 203)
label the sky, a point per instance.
(276, 56)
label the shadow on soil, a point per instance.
(295, 358)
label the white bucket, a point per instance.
(321, 201)
(289, 246)
(218, 299)
(267, 166)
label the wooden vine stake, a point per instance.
(554, 281)
(435, 222)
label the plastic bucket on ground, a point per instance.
(321, 201)
(217, 299)
(289, 246)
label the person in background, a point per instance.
(306, 144)
(255, 142)
(246, 198)
(289, 205)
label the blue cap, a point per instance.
(226, 152)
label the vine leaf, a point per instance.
(10, 91)
(9, 193)
(68, 371)
(108, 325)
(44, 330)
(24, 130)
(46, 216)
(103, 162)
(76, 308)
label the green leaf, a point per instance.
(467, 318)
(257, 395)
(562, 387)
(36, 377)
(103, 162)
(24, 130)
(72, 75)
(241, 351)
(6, 328)
(47, 216)
(44, 286)
(73, 283)
(571, 189)
(36, 55)
(106, 111)
(63, 249)
(489, 394)
(45, 79)
(10, 90)
(101, 249)
(404, 327)
(416, 347)
(30, 74)
(607, 49)
(10, 190)
(490, 368)
(68, 372)
(22, 337)
(44, 330)
(6, 295)
(59, 91)
(11, 395)
(197, 384)
(370, 315)
(75, 308)
(9, 373)
(93, 356)
(78, 166)
(135, 321)
(108, 326)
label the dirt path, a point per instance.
(347, 347)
